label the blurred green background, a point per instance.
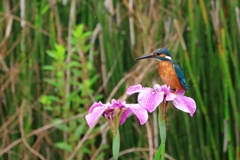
(57, 57)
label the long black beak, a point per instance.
(145, 56)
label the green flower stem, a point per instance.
(116, 145)
(162, 129)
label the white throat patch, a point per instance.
(168, 57)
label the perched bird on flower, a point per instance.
(150, 98)
(169, 71)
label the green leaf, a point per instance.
(158, 154)
(79, 119)
(57, 109)
(87, 47)
(89, 66)
(73, 95)
(100, 156)
(77, 72)
(79, 130)
(76, 100)
(105, 146)
(49, 108)
(50, 81)
(85, 150)
(86, 34)
(48, 67)
(62, 127)
(56, 120)
(45, 100)
(93, 79)
(76, 57)
(60, 74)
(64, 146)
(74, 82)
(78, 31)
(54, 98)
(74, 64)
(98, 97)
(60, 52)
(45, 9)
(72, 124)
(52, 54)
(87, 83)
(84, 101)
(76, 41)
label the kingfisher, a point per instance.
(169, 71)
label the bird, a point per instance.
(169, 71)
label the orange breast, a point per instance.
(168, 75)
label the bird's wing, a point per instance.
(180, 75)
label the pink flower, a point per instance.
(183, 103)
(116, 111)
(150, 98)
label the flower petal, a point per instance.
(118, 104)
(157, 87)
(134, 89)
(140, 112)
(94, 115)
(149, 99)
(125, 115)
(137, 88)
(181, 92)
(185, 104)
(169, 96)
(95, 104)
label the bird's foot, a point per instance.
(175, 92)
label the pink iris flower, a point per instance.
(116, 111)
(150, 98)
